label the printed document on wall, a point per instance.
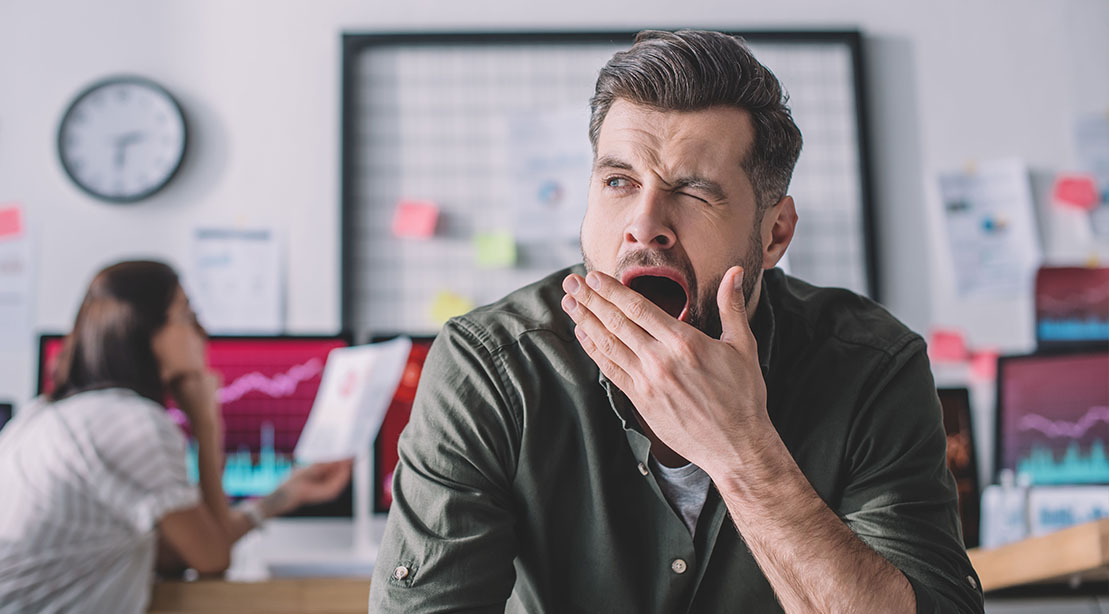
(991, 229)
(358, 385)
(235, 280)
(549, 162)
(15, 278)
(1092, 140)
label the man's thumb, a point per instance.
(733, 310)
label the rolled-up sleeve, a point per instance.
(901, 498)
(450, 543)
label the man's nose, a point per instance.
(649, 224)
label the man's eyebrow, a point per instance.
(700, 184)
(612, 162)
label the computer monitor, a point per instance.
(961, 459)
(269, 385)
(1072, 308)
(1053, 417)
(396, 417)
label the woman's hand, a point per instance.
(312, 484)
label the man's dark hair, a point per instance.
(110, 345)
(692, 70)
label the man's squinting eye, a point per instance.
(693, 197)
(616, 182)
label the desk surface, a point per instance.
(1080, 552)
(307, 596)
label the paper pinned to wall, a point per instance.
(235, 280)
(16, 291)
(1092, 144)
(991, 229)
(357, 386)
(1092, 141)
(549, 162)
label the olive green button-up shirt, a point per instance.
(524, 483)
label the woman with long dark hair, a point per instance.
(93, 475)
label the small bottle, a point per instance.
(1005, 510)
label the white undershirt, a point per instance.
(686, 488)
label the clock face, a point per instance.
(122, 139)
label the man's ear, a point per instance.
(778, 225)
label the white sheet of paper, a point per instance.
(235, 282)
(991, 229)
(357, 386)
(550, 161)
(1092, 143)
(16, 290)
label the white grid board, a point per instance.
(429, 122)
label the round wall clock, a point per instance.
(122, 139)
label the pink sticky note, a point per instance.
(1076, 191)
(415, 219)
(983, 365)
(11, 221)
(947, 345)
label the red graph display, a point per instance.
(269, 385)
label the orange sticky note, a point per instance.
(1076, 191)
(415, 219)
(11, 221)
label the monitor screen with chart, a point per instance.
(269, 385)
(1053, 417)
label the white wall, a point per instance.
(951, 81)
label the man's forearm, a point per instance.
(813, 561)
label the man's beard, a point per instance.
(704, 312)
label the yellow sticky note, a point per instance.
(447, 304)
(495, 250)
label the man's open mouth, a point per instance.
(663, 288)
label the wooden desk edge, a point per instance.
(277, 596)
(1079, 550)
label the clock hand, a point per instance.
(121, 143)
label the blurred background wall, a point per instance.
(950, 82)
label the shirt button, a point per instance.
(678, 566)
(400, 572)
(643, 469)
(971, 581)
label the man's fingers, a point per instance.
(636, 307)
(586, 301)
(604, 341)
(612, 371)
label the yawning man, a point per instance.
(676, 425)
